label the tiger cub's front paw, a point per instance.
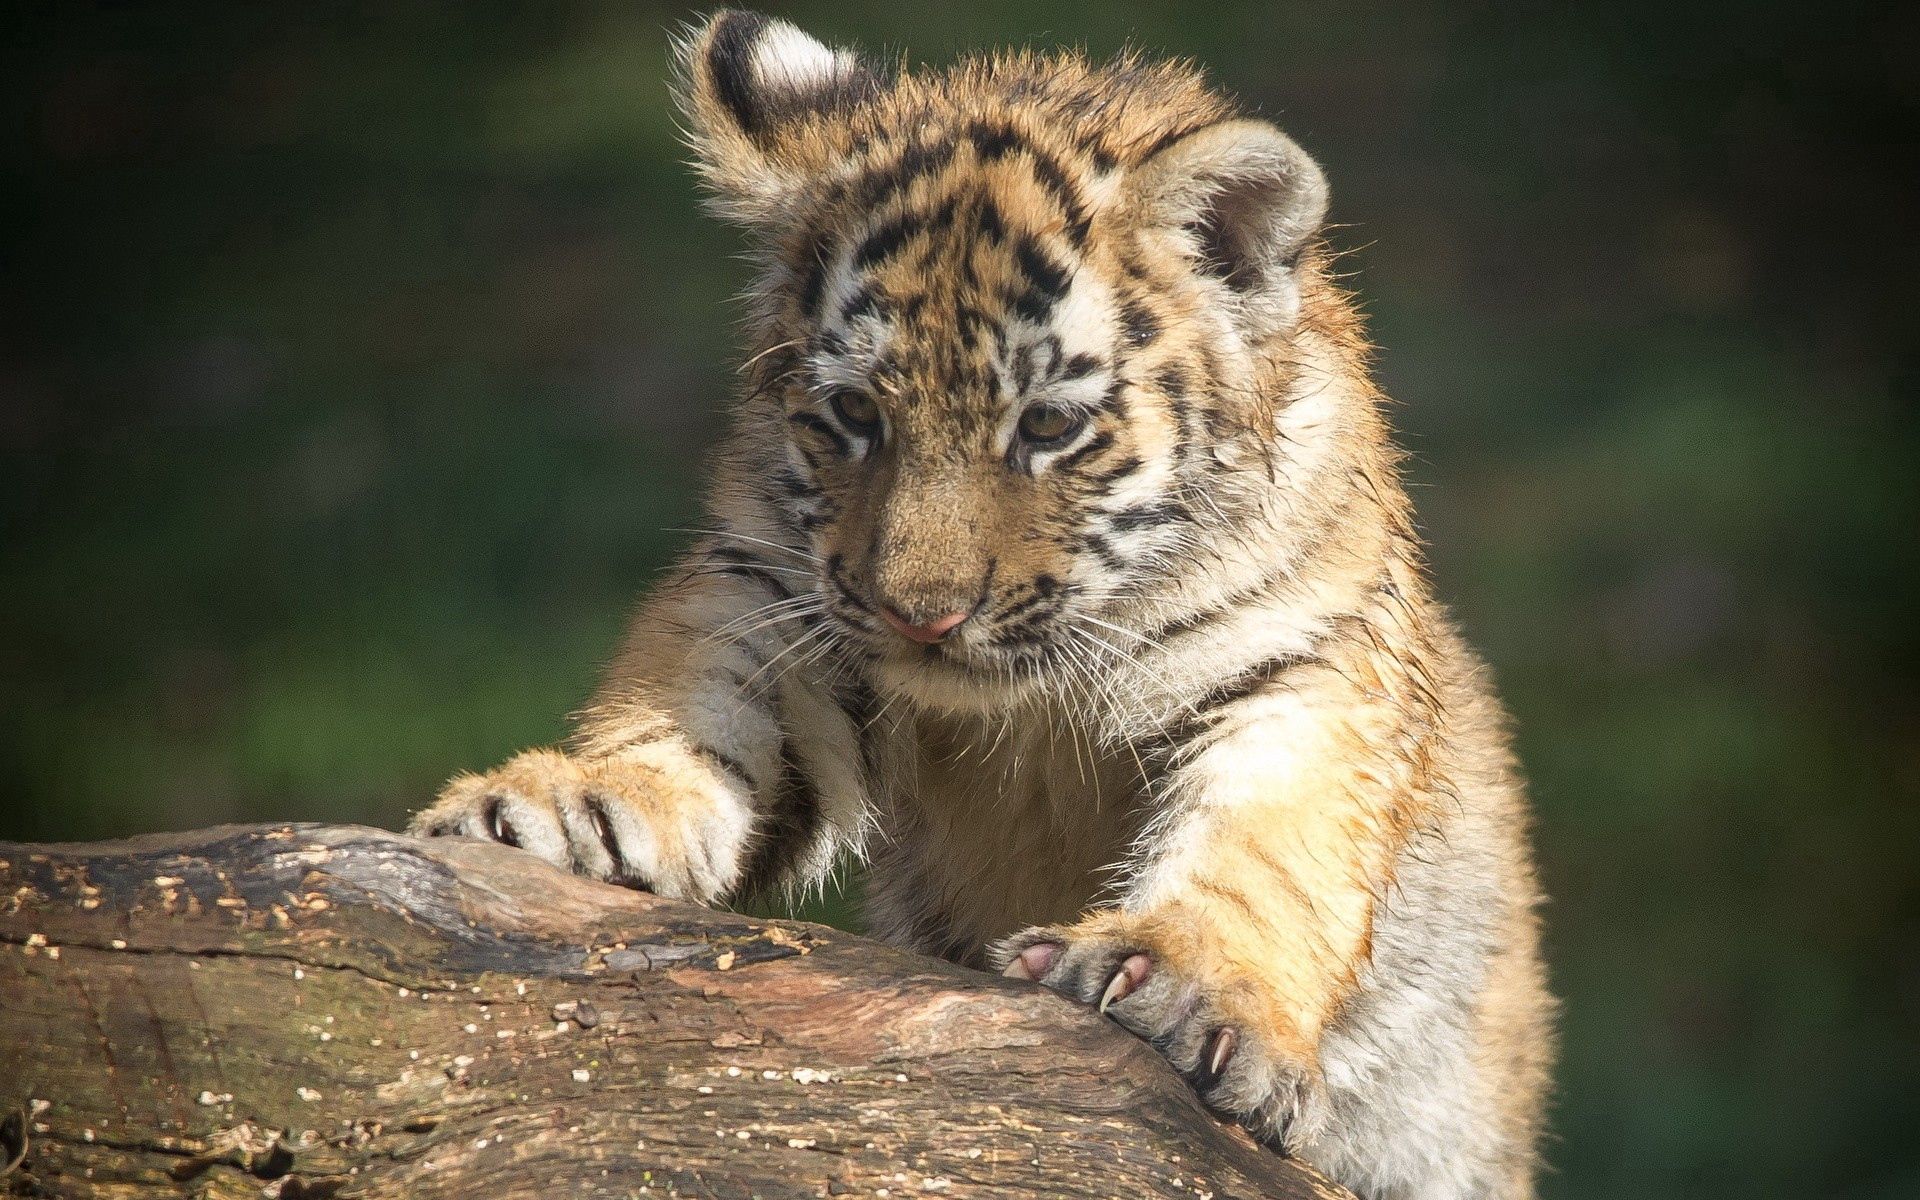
(663, 826)
(1244, 1064)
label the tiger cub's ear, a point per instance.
(1249, 200)
(750, 86)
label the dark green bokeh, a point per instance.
(354, 362)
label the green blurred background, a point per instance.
(355, 362)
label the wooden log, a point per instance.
(305, 1010)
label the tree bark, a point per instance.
(302, 1011)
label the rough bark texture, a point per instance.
(303, 1011)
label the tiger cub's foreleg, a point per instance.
(709, 764)
(1248, 912)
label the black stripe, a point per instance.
(885, 241)
(999, 141)
(819, 425)
(916, 162)
(1120, 470)
(1022, 632)
(992, 226)
(729, 764)
(1046, 276)
(1138, 324)
(1032, 305)
(757, 107)
(1172, 382)
(972, 323)
(863, 302)
(1104, 551)
(1211, 709)
(1043, 589)
(1079, 366)
(1023, 368)
(813, 276)
(836, 575)
(883, 180)
(1207, 616)
(786, 826)
(1244, 686)
(793, 486)
(943, 215)
(1187, 624)
(858, 703)
(730, 560)
(1146, 516)
(1171, 136)
(1047, 170)
(994, 142)
(1020, 607)
(730, 62)
(1093, 445)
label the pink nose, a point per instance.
(926, 634)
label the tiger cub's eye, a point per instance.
(1043, 424)
(858, 410)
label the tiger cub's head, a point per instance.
(1022, 329)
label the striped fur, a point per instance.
(1052, 344)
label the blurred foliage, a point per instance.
(354, 361)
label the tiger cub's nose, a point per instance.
(926, 633)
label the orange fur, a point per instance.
(1195, 741)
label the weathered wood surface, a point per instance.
(301, 1011)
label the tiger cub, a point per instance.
(1059, 564)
